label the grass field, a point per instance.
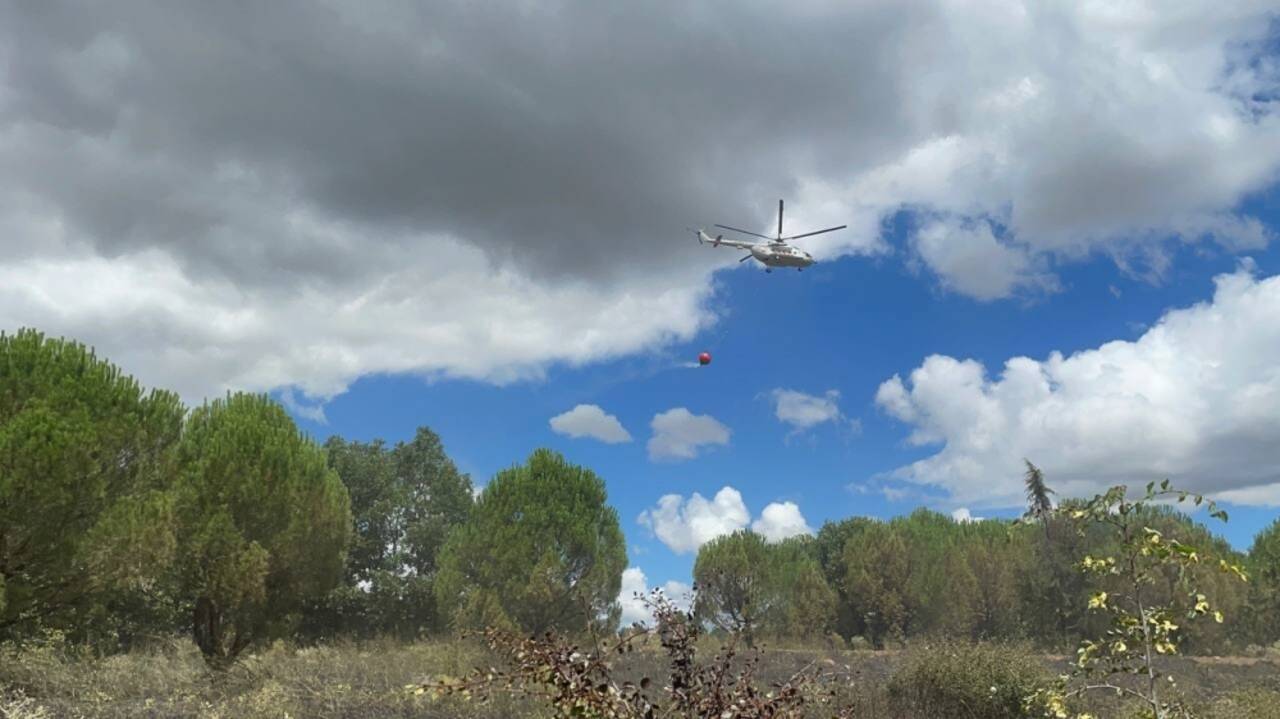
(368, 680)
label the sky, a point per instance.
(471, 216)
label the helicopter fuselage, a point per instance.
(780, 254)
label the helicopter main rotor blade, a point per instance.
(819, 232)
(753, 234)
(744, 259)
(779, 219)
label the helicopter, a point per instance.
(774, 253)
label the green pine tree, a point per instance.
(86, 461)
(263, 524)
(542, 550)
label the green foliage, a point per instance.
(747, 585)
(1142, 623)
(1264, 597)
(404, 501)
(118, 521)
(1039, 505)
(959, 605)
(928, 575)
(877, 579)
(807, 606)
(958, 679)
(541, 550)
(829, 550)
(263, 523)
(736, 584)
(999, 563)
(86, 460)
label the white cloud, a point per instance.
(1195, 399)
(635, 583)
(588, 420)
(633, 609)
(684, 525)
(679, 434)
(970, 260)
(962, 515)
(803, 411)
(781, 520)
(313, 412)
(1267, 495)
(201, 337)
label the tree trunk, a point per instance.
(207, 630)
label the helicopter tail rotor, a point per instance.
(700, 234)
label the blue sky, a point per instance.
(471, 216)
(845, 325)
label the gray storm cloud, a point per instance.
(295, 194)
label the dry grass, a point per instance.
(348, 681)
(368, 680)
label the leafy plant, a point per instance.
(1142, 628)
(404, 500)
(960, 679)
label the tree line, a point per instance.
(927, 575)
(125, 515)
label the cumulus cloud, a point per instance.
(588, 420)
(635, 583)
(686, 524)
(678, 434)
(962, 515)
(781, 520)
(1195, 399)
(239, 217)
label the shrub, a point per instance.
(980, 681)
(859, 643)
(583, 682)
(1253, 703)
(20, 706)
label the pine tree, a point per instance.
(1039, 505)
(263, 524)
(878, 577)
(1264, 595)
(86, 461)
(542, 550)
